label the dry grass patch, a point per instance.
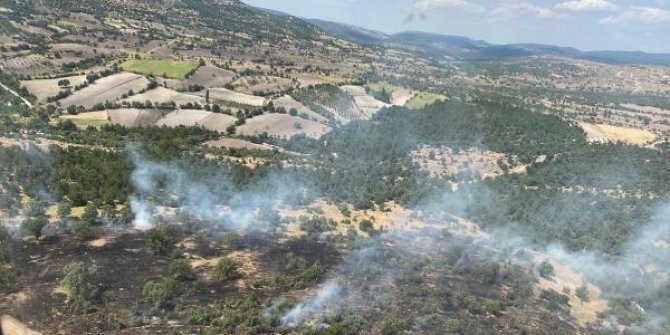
(606, 133)
(94, 119)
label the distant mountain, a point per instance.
(350, 33)
(445, 47)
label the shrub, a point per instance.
(81, 229)
(232, 240)
(226, 269)
(159, 293)
(180, 269)
(7, 279)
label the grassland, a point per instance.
(160, 68)
(423, 99)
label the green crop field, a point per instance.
(160, 68)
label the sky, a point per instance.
(642, 25)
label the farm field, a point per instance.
(236, 143)
(131, 117)
(106, 89)
(160, 68)
(208, 120)
(288, 102)
(282, 125)
(94, 119)
(206, 76)
(46, 88)
(162, 94)
(227, 95)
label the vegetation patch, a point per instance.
(161, 68)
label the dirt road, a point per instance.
(16, 94)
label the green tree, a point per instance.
(90, 214)
(64, 210)
(159, 239)
(34, 225)
(546, 270)
(80, 291)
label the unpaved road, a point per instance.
(16, 94)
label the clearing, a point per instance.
(160, 68)
(606, 133)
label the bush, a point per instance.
(81, 229)
(180, 269)
(159, 239)
(226, 269)
(80, 292)
(232, 240)
(159, 293)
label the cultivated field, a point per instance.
(94, 119)
(236, 143)
(162, 94)
(45, 88)
(606, 133)
(226, 95)
(25, 63)
(160, 68)
(282, 125)
(106, 89)
(206, 76)
(131, 117)
(209, 120)
(288, 103)
(366, 103)
(262, 84)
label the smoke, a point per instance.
(328, 294)
(160, 188)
